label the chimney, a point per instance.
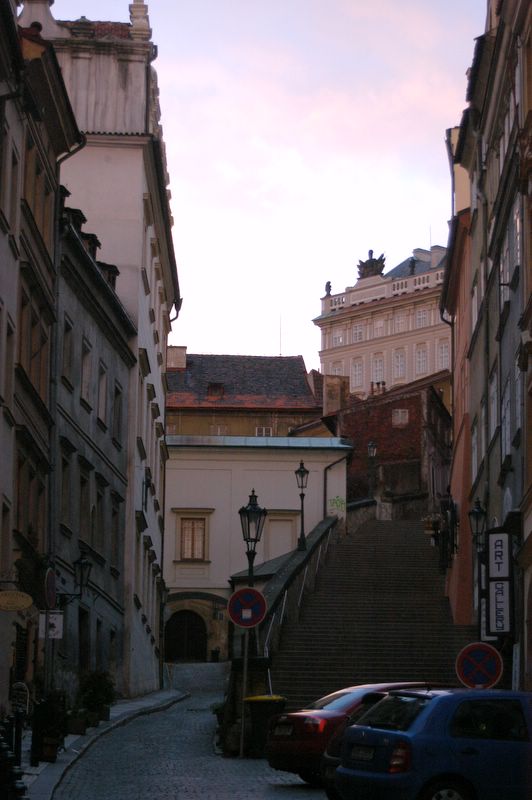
(176, 357)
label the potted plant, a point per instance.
(50, 724)
(77, 721)
(96, 693)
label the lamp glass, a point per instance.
(252, 518)
(302, 476)
(82, 571)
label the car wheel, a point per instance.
(312, 778)
(446, 790)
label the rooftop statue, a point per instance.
(373, 266)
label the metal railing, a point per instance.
(285, 592)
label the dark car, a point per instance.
(297, 740)
(457, 744)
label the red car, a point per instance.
(297, 740)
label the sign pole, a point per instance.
(244, 691)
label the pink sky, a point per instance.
(300, 134)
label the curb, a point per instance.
(46, 782)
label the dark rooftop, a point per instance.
(224, 381)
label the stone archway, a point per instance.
(185, 638)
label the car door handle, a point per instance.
(469, 751)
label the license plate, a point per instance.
(362, 753)
(282, 730)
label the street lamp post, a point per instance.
(252, 518)
(477, 523)
(372, 453)
(302, 477)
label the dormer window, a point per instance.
(215, 390)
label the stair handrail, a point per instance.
(285, 591)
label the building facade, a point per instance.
(90, 479)
(386, 330)
(38, 132)
(120, 181)
(488, 290)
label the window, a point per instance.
(192, 539)
(14, 192)
(505, 421)
(85, 371)
(482, 430)
(117, 414)
(378, 368)
(399, 323)
(102, 392)
(115, 530)
(357, 333)
(67, 350)
(337, 368)
(98, 533)
(218, 430)
(421, 360)
(34, 341)
(9, 364)
(378, 327)
(337, 337)
(493, 398)
(357, 373)
(490, 719)
(263, 430)
(518, 396)
(400, 417)
(421, 318)
(84, 506)
(399, 364)
(65, 490)
(443, 355)
(474, 450)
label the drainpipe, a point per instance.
(325, 471)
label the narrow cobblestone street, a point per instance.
(170, 754)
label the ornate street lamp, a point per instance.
(372, 453)
(302, 478)
(252, 518)
(477, 522)
(82, 571)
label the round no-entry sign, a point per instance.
(479, 666)
(247, 607)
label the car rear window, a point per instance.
(395, 712)
(490, 719)
(337, 701)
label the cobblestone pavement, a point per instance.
(170, 754)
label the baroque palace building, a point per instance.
(386, 330)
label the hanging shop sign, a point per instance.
(51, 625)
(12, 600)
(499, 599)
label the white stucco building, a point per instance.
(120, 182)
(386, 330)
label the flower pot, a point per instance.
(50, 746)
(77, 725)
(93, 719)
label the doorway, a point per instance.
(185, 638)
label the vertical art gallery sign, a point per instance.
(499, 584)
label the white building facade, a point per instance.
(386, 330)
(120, 181)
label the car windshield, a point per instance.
(395, 712)
(338, 701)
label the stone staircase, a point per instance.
(378, 613)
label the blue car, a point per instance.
(452, 744)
